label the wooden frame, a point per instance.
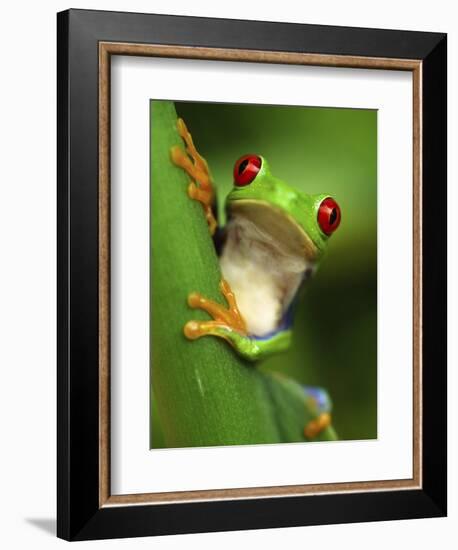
(85, 507)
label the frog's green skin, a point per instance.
(287, 220)
(254, 349)
(289, 216)
(289, 203)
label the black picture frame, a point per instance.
(79, 513)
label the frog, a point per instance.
(273, 241)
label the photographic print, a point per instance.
(263, 269)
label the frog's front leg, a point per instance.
(227, 323)
(200, 186)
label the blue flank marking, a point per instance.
(320, 397)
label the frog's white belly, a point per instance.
(264, 277)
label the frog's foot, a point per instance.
(200, 187)
(229, 318)
(317, 425)
(227, 323)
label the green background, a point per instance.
(318, 150)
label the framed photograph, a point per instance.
(251, 274)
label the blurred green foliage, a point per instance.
(318, 150)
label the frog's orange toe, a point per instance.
(182, 129)
(194, 299)
(176, 154)
(192, 330)
(317, 425)
(192, 190)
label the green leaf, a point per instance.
(204, 393)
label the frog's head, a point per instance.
(303, 223)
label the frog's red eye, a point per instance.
(329, 216)
(245, 169)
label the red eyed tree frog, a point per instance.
(272, 243)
